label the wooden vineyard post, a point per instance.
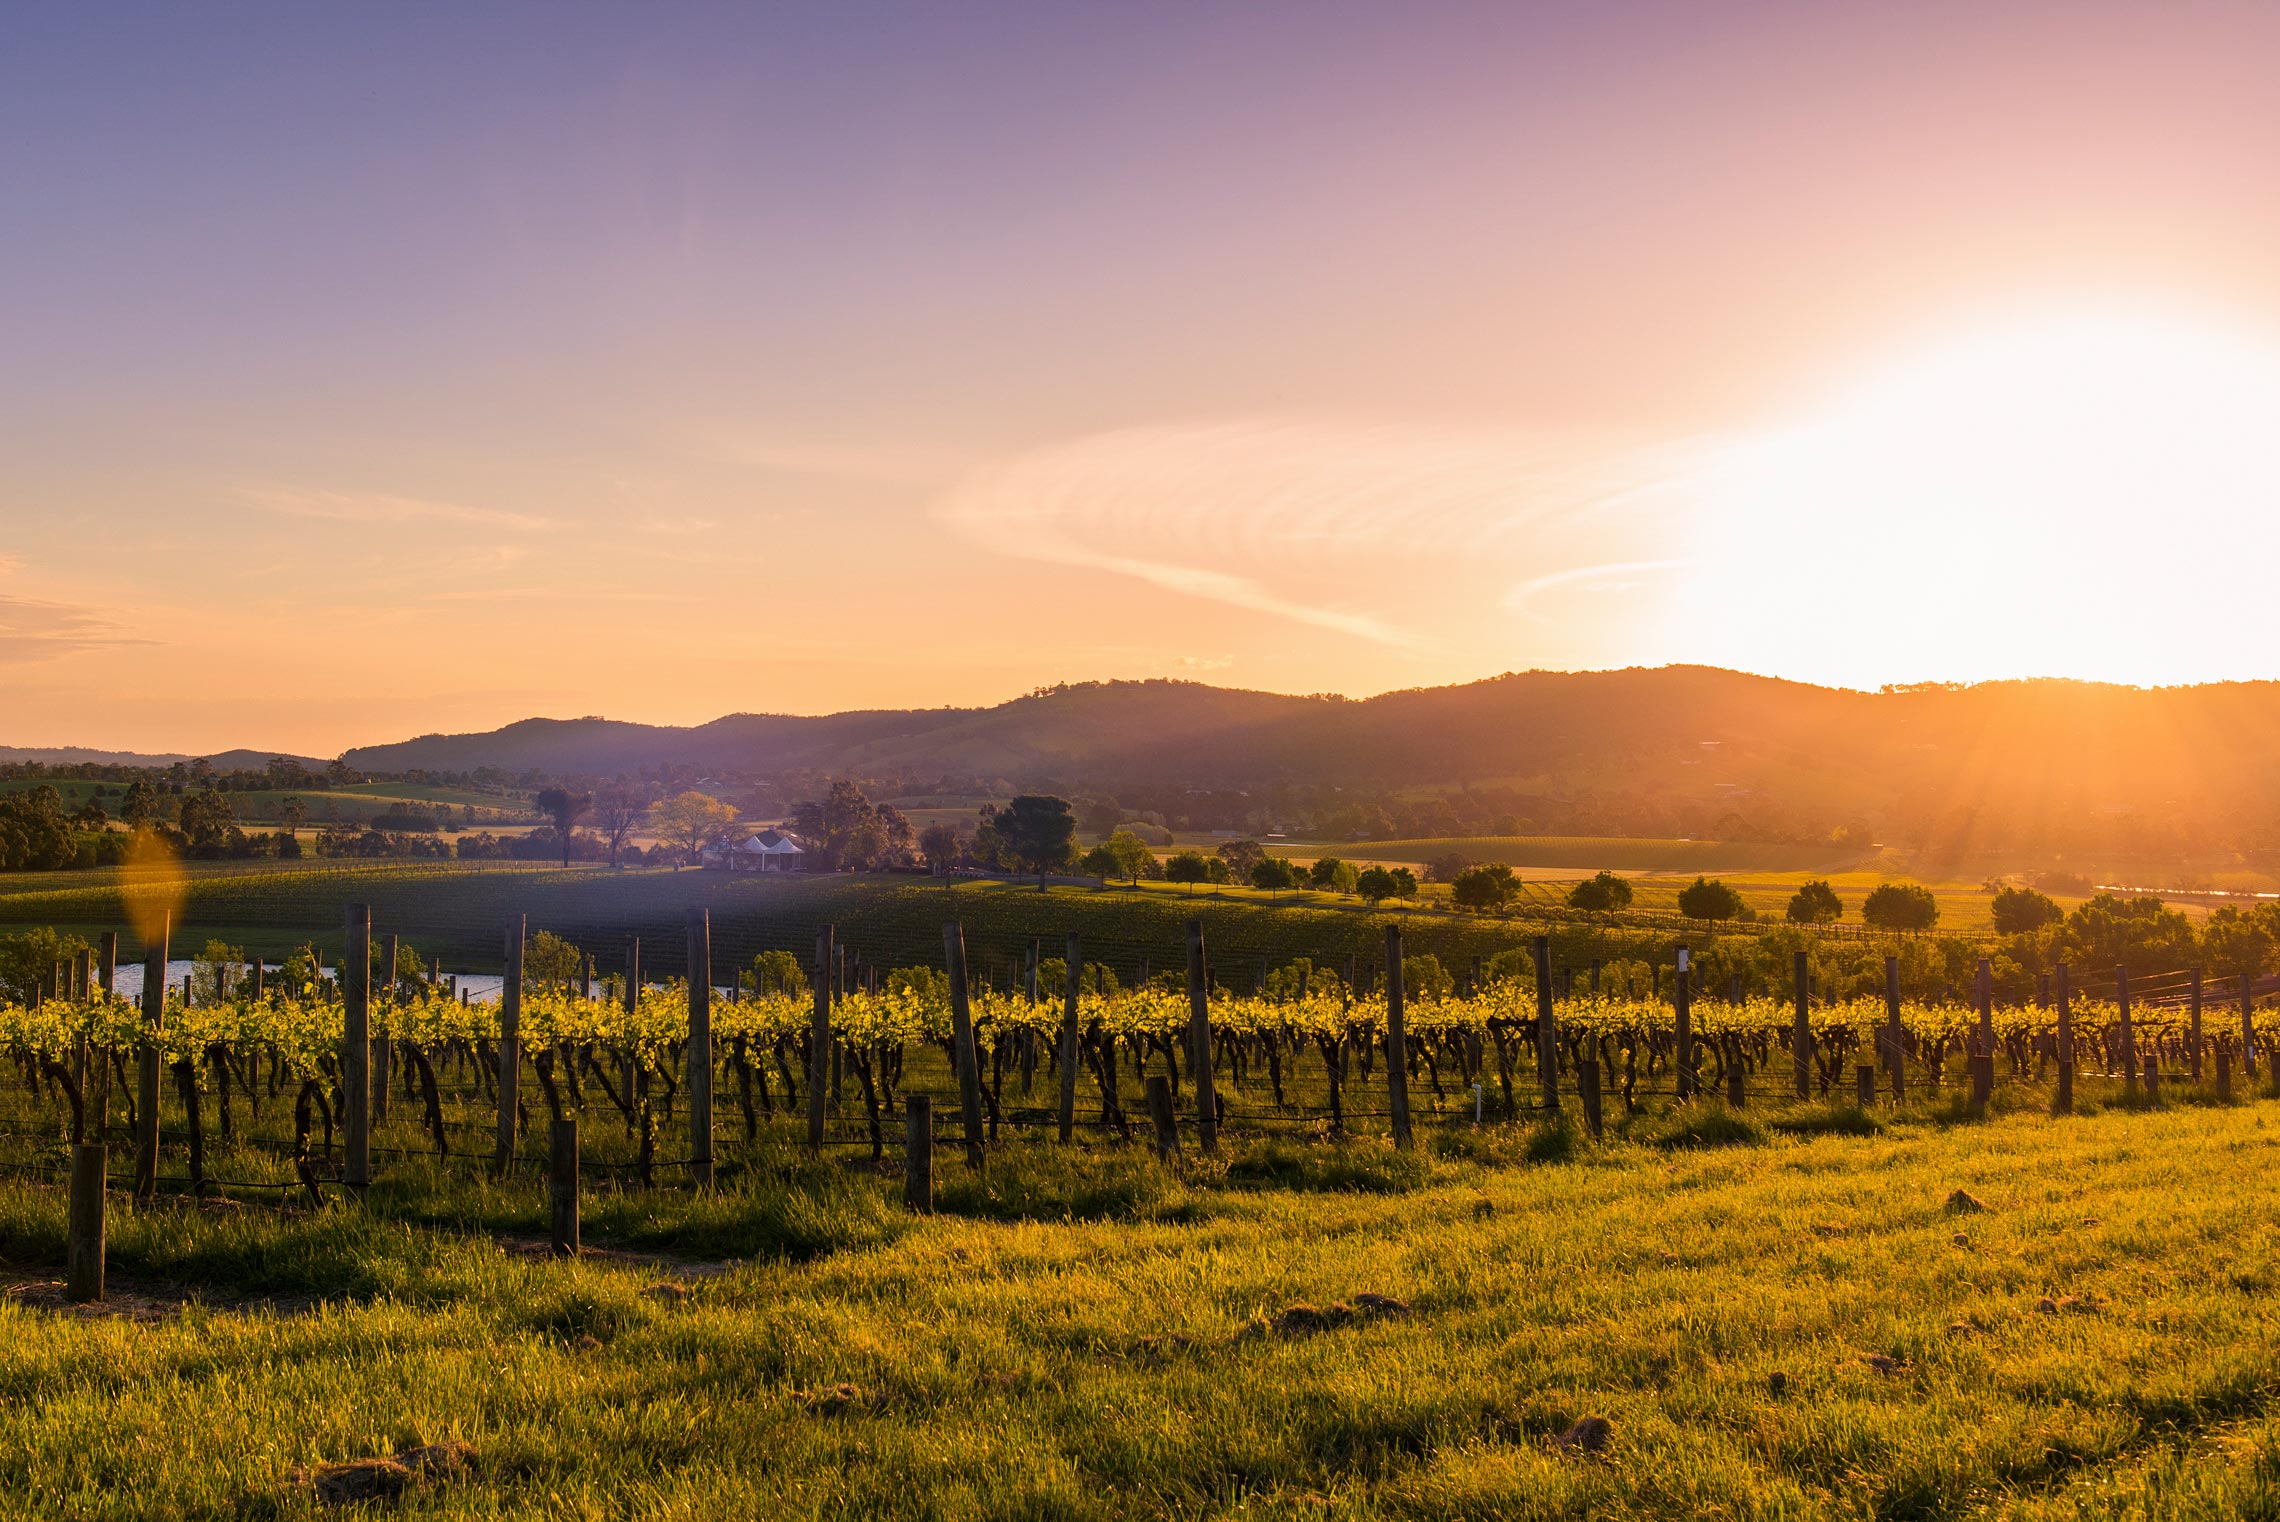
(819, 1036)
(2193, 1031)
(380, 1043)
(2063, 1102)
(83, 1246)
(2224, 1073)
(918, 1153)
(2247, 1027)
(562, 1186)
(1682, 1003)
(1894, 1041)
(1074, 957)
(510, 1046)
(2152, 1076)
(1160, 1112)
(963, 1054)
(700, 1055)
(1199, 1041)
(1547, 1029)
(1396, 1038)
(356, 1051)
(1864, 1085)
(2129, 1036)
(1983, 1039)
(1587, 1089)
(99, 1071)
(1801, 1030)
(1736, 1093)
(146, 1062)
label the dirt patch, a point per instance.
(130, 1300)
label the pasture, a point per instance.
(1781, 1326)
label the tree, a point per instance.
(1132, 854)
(2141, 934)
(1241, 856)
(1332, 875)
(1216, 870)
(1190, 867)
(1815, 904)
(295, 812)
(140, 806)
(1099, 862)
(1447, 867)
(1036, 830)
(778, 972)
(1603, 894)
(565, 808)
(550, 961)
(690, 819)
(1273, 873)
(844, 828)
(2238, 945)
(205, 817)
(1101, 816)
(2022, 911)
(29, 956)
(1899, 907)
(1404, 884)
(938, 844)
(1706, 898)
(619, 811)
(1489, 889)
(1375, 884)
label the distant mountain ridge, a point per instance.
(1995, 765)
(80, 755)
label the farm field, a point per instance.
(1582, 855)
(1781, 1326)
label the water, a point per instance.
(480, 987)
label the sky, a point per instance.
(375, 371)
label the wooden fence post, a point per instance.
(1587, 1087)
(2247, 1028)
(381, 1042)
(918, 1153)
(1160, 1112)
(2129, 1036)
(2224, 1073)
(2152, 1076)
(1682, 997)
(1396, 1039)
(562, 1187)
(963, 1055)
(700, 1054)
(1895, 1034)
(146, 1061)
(1983, 1039)
(2062, 1103)
(2193, 1037)
(1864, 1084)
(1199, 1041)
(1547, 1030)
(83, 1246)
(819, 1036)
(356, 1051)
(1074, 957)
(510, 1045)
(1801, 1028)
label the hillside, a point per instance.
(1970, 772)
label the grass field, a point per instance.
(1582, 855)
(1794, 1327)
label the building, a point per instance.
(766, 851)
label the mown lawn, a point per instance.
(1787, 1327)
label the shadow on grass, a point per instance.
(1694, 1126)
(1829, 1120)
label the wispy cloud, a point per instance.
(32, 630)
(10, 563)
(381, 507)
(681, 527)
(1351, 527)
(1615, 575)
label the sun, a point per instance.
(2095, 496)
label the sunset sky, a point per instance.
(368, 371)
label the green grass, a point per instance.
(1585, 854)
(1777, 1327)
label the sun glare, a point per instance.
(2088, 496)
